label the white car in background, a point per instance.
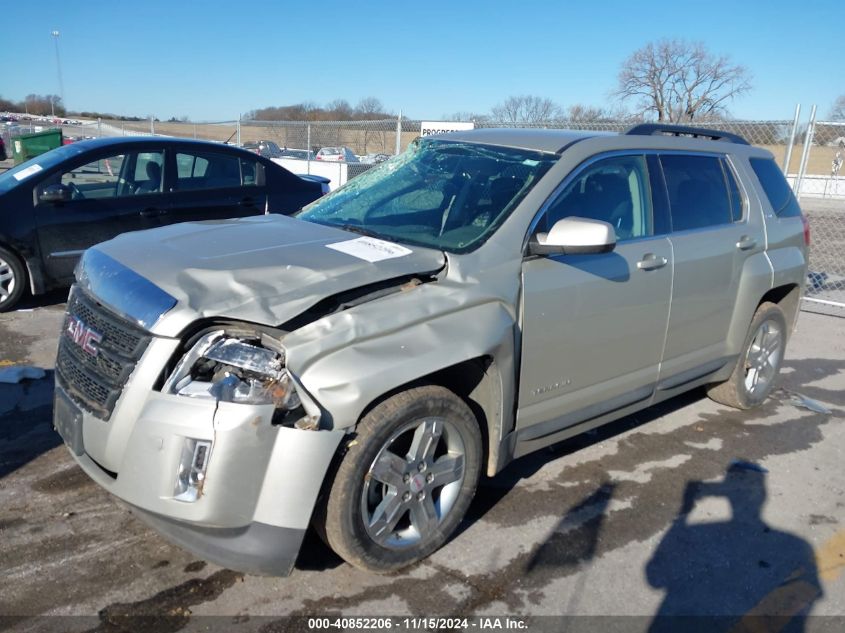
(337, 154)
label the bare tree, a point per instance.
(43, 105)
(466, 116)
(370, 108)
(837, 112)
(338, 110)
(526, 109)
(681, 81)
(586, 113)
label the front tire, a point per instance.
(406, 481)
(12, 279)
(754, 375)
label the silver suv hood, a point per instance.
(263, 269)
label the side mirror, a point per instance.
(56, 192)
(574, 236)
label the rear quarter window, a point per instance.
(698, 192)
(776, 188)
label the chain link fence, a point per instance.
(811, 155)
(825, 291)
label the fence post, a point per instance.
(805, 155)
(239, 130)
(123, 129)
(195, 130)
(788, 156)
(308, 145)
(399, 133)
(152, 125)
(99, 127)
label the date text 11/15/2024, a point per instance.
(418, 623)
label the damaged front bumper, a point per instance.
(258, 490)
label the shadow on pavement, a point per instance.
(491, 491)
(53, 298)
(575, 537)
(26, 422)
(735, 574)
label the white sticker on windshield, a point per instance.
(26, 173)
(370, 249)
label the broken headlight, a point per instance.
(234, 369)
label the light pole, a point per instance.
(55, 34)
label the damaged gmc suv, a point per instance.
(358, 367)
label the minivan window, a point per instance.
(776, 188)
(698, 194)
(614, 190)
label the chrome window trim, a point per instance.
(746, 201)
(67, 253)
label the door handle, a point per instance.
(151, 213)
(745, 243)
(247, 202)
(651, 262)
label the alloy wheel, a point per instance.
(413, 482)
(763, 357)
(7, 280)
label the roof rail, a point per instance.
(650, 129)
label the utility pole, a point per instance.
(55, 34)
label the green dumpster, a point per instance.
(26, 146)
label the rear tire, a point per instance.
(756, 369)
(405, 482)
(12, 279)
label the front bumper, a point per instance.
(257, 548)
(260, 488)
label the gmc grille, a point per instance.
(96, 380)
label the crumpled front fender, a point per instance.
(348, 360)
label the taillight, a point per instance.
(806, 224)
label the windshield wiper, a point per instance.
(360, 230)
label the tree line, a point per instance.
(39, 105)
(52, 105)
(368, 109)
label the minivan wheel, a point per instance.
(754, 375)
(12, 280)
(406, 480)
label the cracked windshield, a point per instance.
(445, 195)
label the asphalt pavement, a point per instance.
(687, 507)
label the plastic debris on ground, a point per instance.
(796, 399)
(17, 373)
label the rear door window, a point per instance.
(208, 170)
(776, 188)
(698, 191)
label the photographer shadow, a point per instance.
(732, 575)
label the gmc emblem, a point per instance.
(83, 335)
